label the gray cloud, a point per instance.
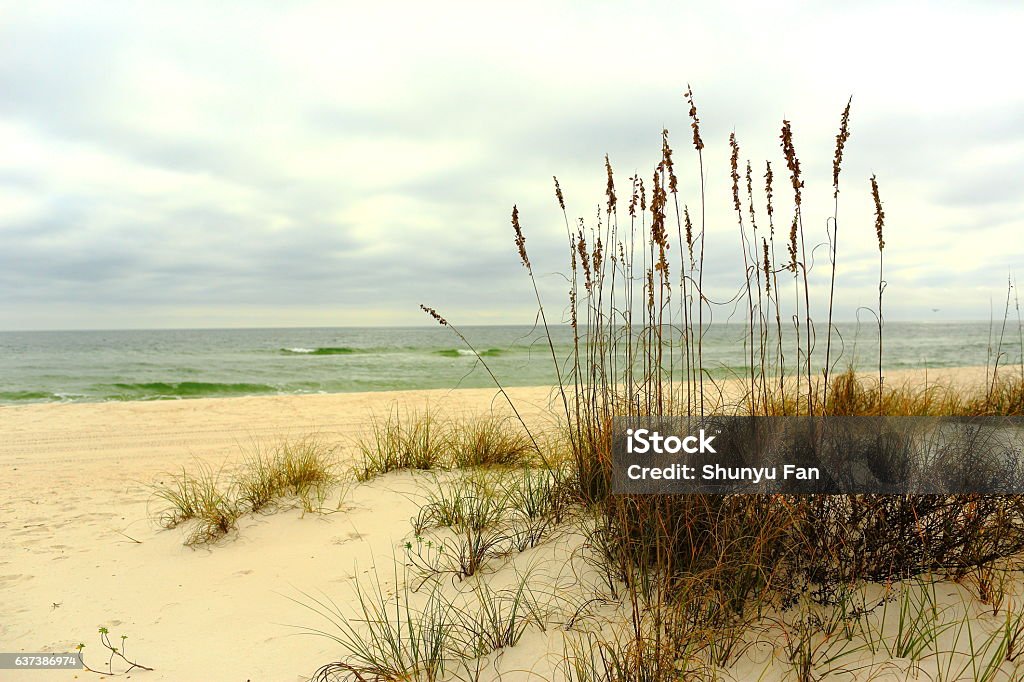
(331, 165)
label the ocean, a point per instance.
(90, 366)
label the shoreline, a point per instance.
(69, 442)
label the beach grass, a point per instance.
(395, 634)
(698, 573)
(302, 471)
(491, 441)
(203, 497)
(422, 441)
(412, 440)
(684, 587)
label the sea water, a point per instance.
(173, 364)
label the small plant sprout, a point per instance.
(118, 662)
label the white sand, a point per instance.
(78, 548)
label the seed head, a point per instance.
(520, 239)
(650, 289)
(572, 308)
(658, 200)
(879, 213)
(689, 229)
(434, 314)
(698, 144)
(767, 267)
(558, 194)
(792, 245)
(734, 160)
(666, 160)
(581, 248)
(768, 177)
(610, 189)
(659, 235)
(792, 162)
(841, 138)
(750, 197)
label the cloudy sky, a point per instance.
(196, 164)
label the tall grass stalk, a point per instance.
(837, 163)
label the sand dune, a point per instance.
(79, 549)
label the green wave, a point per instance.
(16, 396)
(340, 350)
(184, 389)
(463, 352)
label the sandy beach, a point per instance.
(79, 548)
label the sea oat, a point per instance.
(650, 289)
(698, 144)
(572, 308)
(610, 189)
(734, 160)
(659, 235)
(689, 230)
(581, 248)
(666, 159)
(558, 193)
(520, 239)
(879, 213)
(750, 199)
(658, 200)
(841, 138)
(792, 245)
(768, 191)
(792, 162)
(434, 314)
(767, 267)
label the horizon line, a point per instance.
(428, 326)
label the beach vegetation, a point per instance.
(696, 582)
(639, 309)
(205, 498)
(117, 656)
(397, 634)
(422, 441)
(482, 515)
(304, 469)
(211, 501)
(411, 440)
(491, 441)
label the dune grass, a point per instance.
(391, 633)
(203, 498)
(421, 441)
(413, 440)
(638, 307)
(302, 471)
(490, 441)
(696, 581)
(479, 516)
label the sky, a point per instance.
(257, 164)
